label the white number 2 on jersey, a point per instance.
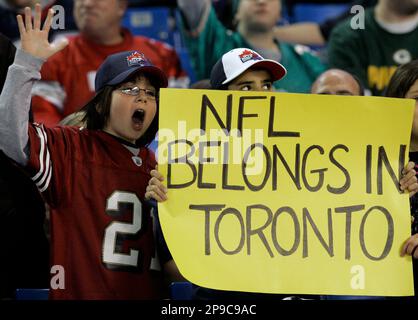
(114, 228)
(116, 260)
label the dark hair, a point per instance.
(201, 84)
(360, 84)
(402, 80)
(97, 112)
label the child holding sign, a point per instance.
(94, 179)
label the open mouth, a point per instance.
(138, 116)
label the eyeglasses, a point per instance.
(151, 94)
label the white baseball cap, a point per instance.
(235, 62)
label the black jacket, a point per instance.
(24, 248)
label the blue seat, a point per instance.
(186, 63)
(304, 12)
(153, 22)
(181, 291)
(31, 294)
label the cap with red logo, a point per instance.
(233, 63)
(118, 67)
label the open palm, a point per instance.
(34, 39)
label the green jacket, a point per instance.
(214, 40)
(372, 53)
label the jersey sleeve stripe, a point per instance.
(47, 161)
(46, 176)
(43, 177)
(41, 154)
(47, 180)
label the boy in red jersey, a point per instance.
(94, 179)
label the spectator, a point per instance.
(23, 245)
(207, 39)
(93, 179)
(68, 77)
(404, 84)
(389, 39)
(10, 8)
(337, 82)
(316, 34)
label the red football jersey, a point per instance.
(101, 229)
(67, 82)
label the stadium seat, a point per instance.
(181, 291)
(31, 294)
(304, 12)
(186, 63)
(153, 22)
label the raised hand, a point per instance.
(34, 39)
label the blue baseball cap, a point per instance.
(118, 67)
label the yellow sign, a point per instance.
(286, 193)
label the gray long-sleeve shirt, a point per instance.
(15, 104)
